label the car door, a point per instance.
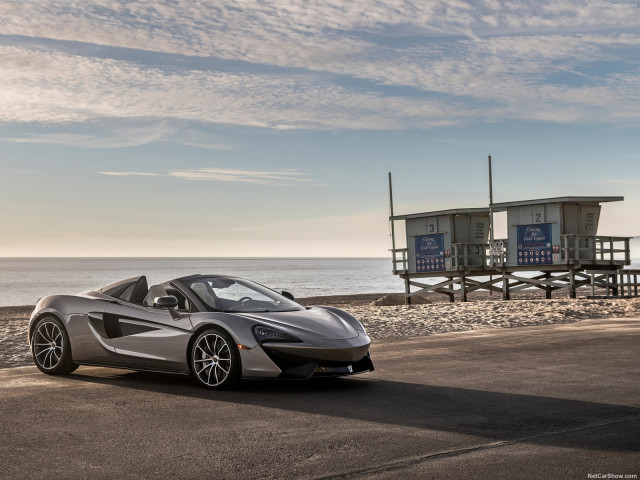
(148, 337)
(91, 344)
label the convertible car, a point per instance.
(217, 328)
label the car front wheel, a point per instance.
(215, 359)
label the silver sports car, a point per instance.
(217, 328)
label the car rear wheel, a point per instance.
(215, 360)
(51, 348)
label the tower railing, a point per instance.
(595, 248)
(575, 249)
(465, 255)
(402, 253)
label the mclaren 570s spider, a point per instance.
(219, 329)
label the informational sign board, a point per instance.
(496, 248)
(430, 253)
(534, 244)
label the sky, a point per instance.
(247, 128)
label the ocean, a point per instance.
(24, 280)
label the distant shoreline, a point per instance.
(360, 299)
(205, 258)
(385, 257)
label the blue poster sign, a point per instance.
(430, 253)
(534, 244)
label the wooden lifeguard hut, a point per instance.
(553, 231)
(449, 243)
(446, 240)
(556, 237)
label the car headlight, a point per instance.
(269, 334)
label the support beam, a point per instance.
(547, 288)
(463, 288)
(446, 291)
(452, 298)
(614, 281)
(428, 288)
(505, 287)
(572, 284)
(407, 291)
(531, 282)
(488, 285)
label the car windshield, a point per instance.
(238, 295)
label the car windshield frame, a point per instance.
(212, 293)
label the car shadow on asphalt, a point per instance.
(498, 416)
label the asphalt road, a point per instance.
(557, 401)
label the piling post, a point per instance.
(463, 288)
(547, 288)
(572, 283)
(407, 291)
(452, 298)
(506, 295)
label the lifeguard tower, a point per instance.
(556, 237)
(446, 240)
(552, 231)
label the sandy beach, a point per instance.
(384, 317)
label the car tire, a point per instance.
(214, 359)
(51, 348)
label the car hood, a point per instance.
(314, 322)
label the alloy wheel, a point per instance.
(48, 345)
(211, 359)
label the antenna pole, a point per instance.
(393, 233)
(491, 220)
(490, 199)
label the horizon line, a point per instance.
(197, 257)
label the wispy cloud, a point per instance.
(58, 88)
(119, 133)
(106, 137)
(263, 177)
(463, 61)
(284, 177)
(291, 32)
(131, 174)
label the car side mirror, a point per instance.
(170, 303)
(287, 295)
(166, 302)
